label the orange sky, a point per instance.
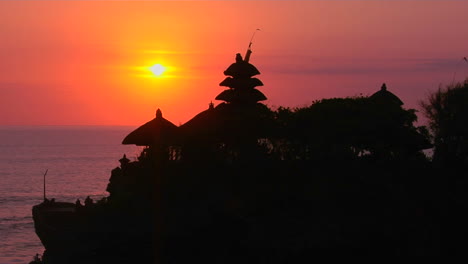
(82, 62)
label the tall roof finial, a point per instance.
(158, 113)
(238, 57)
(384, 87)
(249, 51)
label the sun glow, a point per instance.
(157, 69)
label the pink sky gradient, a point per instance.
(79, 62)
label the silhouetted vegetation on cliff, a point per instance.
(447, 111)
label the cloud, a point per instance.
(166, 52)
(306, 65)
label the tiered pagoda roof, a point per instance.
(241, 82)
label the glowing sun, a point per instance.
(157, 69)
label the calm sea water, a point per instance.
(79, 161)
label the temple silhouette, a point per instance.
(240, 182)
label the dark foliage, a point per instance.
(447, 111)
(349, 128)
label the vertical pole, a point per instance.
(45, 184)
(249, 51)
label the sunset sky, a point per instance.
(85, 62)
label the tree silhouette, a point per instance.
(447, 112)
(350, 128)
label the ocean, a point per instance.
(79, 161)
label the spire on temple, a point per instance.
(158, 113)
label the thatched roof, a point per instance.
(241, 83)
(384, 96)
(227, 122)
(244, 95)
(241, 69)
(157, 131)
